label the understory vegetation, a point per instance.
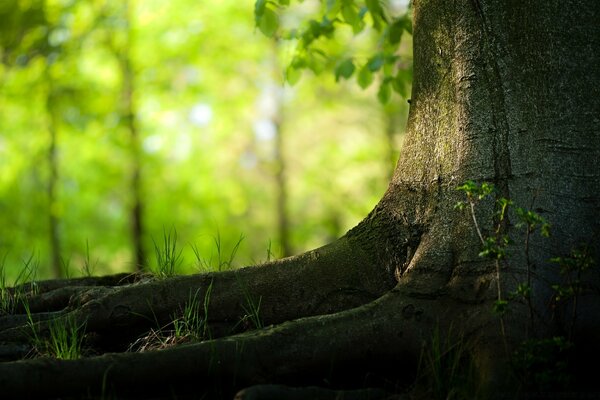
(446, 367)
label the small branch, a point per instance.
(475, 222)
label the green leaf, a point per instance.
(384, 92)
(284, 2)
(314, 29)
(350, 15)
(333, 8)
(268, 22)
(407, 24)
(460, 205)
(376, 13)
(259, 9)
(292, 75)
(365, 77)
(376, 62)
(374, 7)
(398, 83)
(345, 69)
(395, 32)
(500, 307)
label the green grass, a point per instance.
(446, 369)
(65, 341)
(87, 268)
(66, 338)
(192, 323)
(168, 257)
(222, 261)
(251, 319)
(11, 298)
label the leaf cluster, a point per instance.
(311, 40)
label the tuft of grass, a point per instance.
(447, 370)
(87, 268)
(251, 318)
(270, 254)
(65, 341)
(12, 298)
(66, 338)
(192, 322)
(168, 258)
(191, 325)
(222, 261)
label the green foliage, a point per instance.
(13, 298)
(221, 262)
(315, 52)
(193, 321)
(200, 77)
(251, 307)
(446, 369)
(66, 339)
(539, 363)
(66, 336)
(87, 268)
(495, 247)
(168, 257)
(543, 364)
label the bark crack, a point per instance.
(495, 86)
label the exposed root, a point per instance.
(337, 348)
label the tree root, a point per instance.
(281, 392)
(337, 348)
(335, 277)
(322, 308)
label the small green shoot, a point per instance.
(168, 258)
(251, 318)
(87, 268)
(252, 310)
(222, 261)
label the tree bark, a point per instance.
(503, 92)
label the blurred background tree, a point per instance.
(123, 120)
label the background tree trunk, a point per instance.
(130, 114)
(53, 180)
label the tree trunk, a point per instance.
(130, 112)
(503, 92)
(53, 180)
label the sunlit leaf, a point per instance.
(259, 8)
(269, 22)
(376, 13)
(292, 75)
(350, 15)
(333, 7)
(374, 6)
